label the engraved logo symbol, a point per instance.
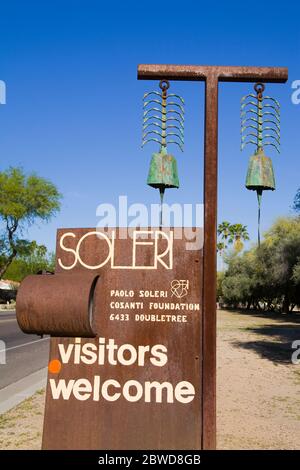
(179, 288)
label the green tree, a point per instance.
(239, 234)
(283, 242)
(23, 200)
(239, 280)
(267, 277)
(220, 247)
(220, 278)
(38, 260)
(296, 275)
(296, 205)
(224, 231)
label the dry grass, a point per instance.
(21, 427)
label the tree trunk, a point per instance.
(286, 304)
(10, 234)
(7, 263)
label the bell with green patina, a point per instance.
(163, 172)
(260, 175)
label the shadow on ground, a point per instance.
(278, 317)
(276, 344)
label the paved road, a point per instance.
(25, 354)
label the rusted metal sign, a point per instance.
(137, 384)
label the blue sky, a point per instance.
(73, 111)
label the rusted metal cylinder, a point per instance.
(57, 305)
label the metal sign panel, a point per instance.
(137, 384)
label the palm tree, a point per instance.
(224, 230)
(239, 233)
(220, 247)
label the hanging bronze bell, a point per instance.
(260, 175)
(163, 172)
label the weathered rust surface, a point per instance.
(58, 305)
(74, 424)
(210, 265)
(222, 73)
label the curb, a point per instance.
(15, 393)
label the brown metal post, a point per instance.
(209, 263)
(211, 75)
